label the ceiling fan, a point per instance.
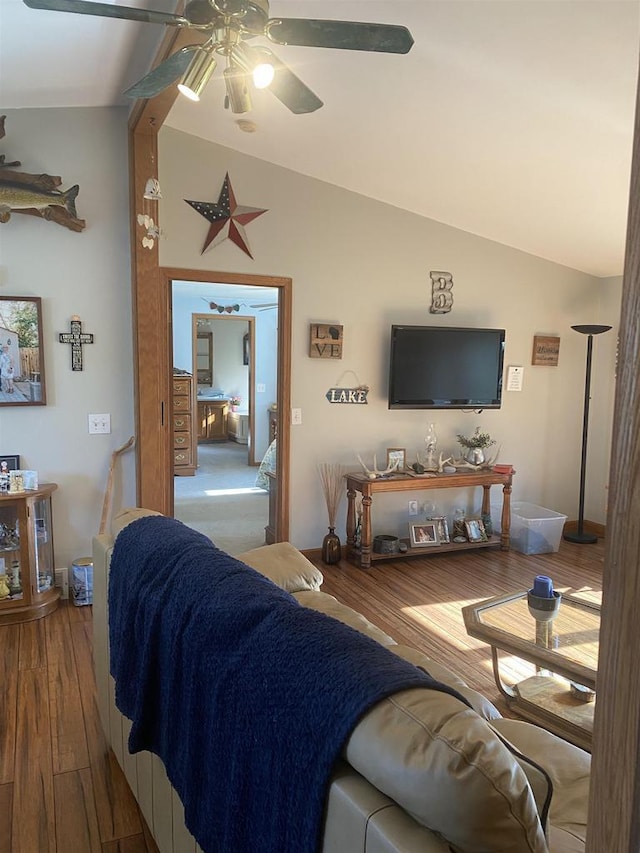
(265, 306)
(229, 24)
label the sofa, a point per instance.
(421, 771)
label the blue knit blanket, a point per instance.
(246, 696)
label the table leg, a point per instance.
(486, 501)
(351, 519)
(506, 691)
(505, 538)
(365, 534)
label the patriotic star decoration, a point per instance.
(227, 218)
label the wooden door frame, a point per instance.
(614, 800)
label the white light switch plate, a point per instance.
(99, 424)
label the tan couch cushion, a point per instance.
(126, 516)
(329, 605)
(445, 766)
(569, 769)
(480, 704)
(284, 565)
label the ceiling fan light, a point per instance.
(263, 75)
(237, 90)
(255, 61)
(197, 75)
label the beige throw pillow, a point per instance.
(284, 565)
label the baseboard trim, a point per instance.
(312, 553)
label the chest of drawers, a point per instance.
(183, 427)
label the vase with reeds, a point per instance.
(331, 477)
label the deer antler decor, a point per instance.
(374, 474)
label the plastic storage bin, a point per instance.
(82, 581)
(534, 529)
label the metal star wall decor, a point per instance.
(227, 218)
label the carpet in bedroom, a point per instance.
(206, 502)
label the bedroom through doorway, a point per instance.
(225, 337)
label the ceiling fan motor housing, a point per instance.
(249, 15)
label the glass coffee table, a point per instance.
(561, 696)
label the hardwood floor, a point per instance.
(418, 601)
(61, 790)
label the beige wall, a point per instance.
(366, 265)
(88, 274)
(353, 261)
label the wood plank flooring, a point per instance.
(418, 602)
(60, 788)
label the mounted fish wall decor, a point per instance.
(36, 195)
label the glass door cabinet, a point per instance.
(27, 574)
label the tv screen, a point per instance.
(442, 367)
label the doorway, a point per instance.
(155, 362)
(220, 495)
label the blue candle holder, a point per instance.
(543, 601)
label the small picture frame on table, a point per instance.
(399, 455)
(475, 530)
(9, 463)
(424, 534)
(442, 527)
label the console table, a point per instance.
(358, 482)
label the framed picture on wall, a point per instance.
(21, 352)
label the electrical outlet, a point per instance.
(413, 507)
(261, 388)
(296, 417)
(99, 424)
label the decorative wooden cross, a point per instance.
(76, 337)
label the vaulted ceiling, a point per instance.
(511, 119)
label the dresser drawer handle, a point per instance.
(179, 422)
(180, 439)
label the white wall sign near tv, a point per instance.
(445, 367)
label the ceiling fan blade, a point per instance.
(344, 35)
(106, 10)
(163, 75)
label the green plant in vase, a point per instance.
(475, 445)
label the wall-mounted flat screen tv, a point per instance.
(443, 367)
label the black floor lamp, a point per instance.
(579, 535)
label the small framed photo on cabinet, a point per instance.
(9, 463)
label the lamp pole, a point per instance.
(579, 535)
